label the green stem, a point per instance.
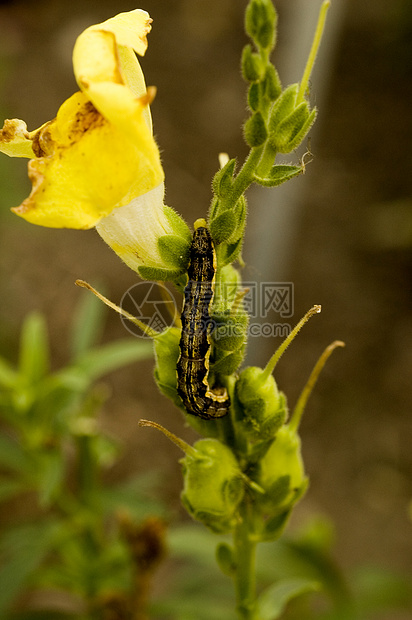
(246, 174)
(267, 160)
(314, 50)
(226, 424)
(245, 577)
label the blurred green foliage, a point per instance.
(309, 584)
(65, 529)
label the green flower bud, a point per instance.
(271, 85)
(223, 180)
(227, 285)
(260, 23)
(281, 472)
(230, 331)
(251, 64)
(253, 98)
(213, 485)
(261, 407)
(227, 364)
(223, 226)
(283, 107)
(255, 130)
(252, 385)
(291, 131)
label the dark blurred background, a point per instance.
(342, 234)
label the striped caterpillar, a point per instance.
(193, 363)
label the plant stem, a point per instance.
(245, 578)
(246, 174)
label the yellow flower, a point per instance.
(96, 163)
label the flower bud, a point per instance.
(223, 180)
(292, 129)
(262, 406)
(255, 131)
(281, 471)
(213, 486)
(260, 23)
(251, 64)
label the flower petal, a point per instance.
(133, 230)
(85, 167)
(104, 53)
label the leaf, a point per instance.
(50, 477)
(225, 559)
(12, 455)
(87, 325)
(273, 601)
(98, 362)
(22, 549)
(8, 376)
(34, 349)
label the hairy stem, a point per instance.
(245, 578)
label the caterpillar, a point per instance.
(195, 346)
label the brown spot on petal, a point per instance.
(85, 119)
(13, 128)
(43, 144)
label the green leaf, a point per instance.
(50, 477)
(225, 559)
(12, 455)
(273, 601)
(22, 550)
(34, 348)
(98, 362)
(8, 376)
(278, 175)
(87, 325)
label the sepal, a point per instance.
(280, 173)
